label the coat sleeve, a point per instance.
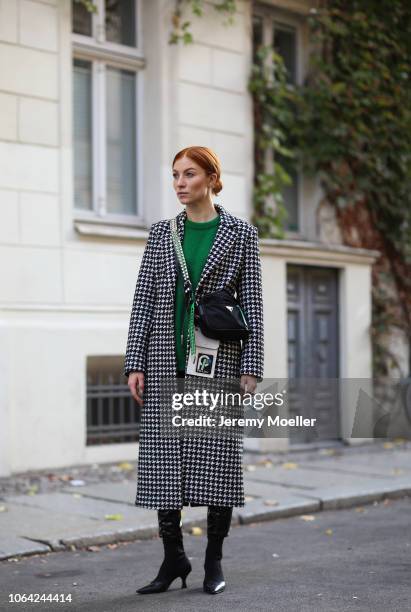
(142, 309)
(250, 297)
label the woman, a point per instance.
(221, 251)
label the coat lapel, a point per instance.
(223, 240)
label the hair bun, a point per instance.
(218, 186)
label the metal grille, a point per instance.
(113, 416)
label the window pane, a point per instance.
(121, 141)
(285, 45)
(82, 134)
(120, 22)
(290, 194)
(81, 19)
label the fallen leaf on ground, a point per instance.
(271, 502)
(265, 462)
(196, 531)
(33, 490)
(3, 509)
(126, 466)
(388, 445)
(93, 548)
(307, 517)
(76, 495)
(113, 517)
(329, 531)
(397, 471)
(360, 509)
(250, 468)
(289, 465)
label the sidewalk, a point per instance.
(88, 510)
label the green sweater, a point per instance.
(197, 242)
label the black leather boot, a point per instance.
(176, 563)
(218, 526)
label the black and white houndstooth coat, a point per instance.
(198, 471)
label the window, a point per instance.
(107, 72)
(113, 416)
(268, 29)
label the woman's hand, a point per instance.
(136, 386)
(248, 383)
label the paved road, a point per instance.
(290, 564)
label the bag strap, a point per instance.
(188, 288)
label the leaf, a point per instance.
(113, 517)
(307, 517)
(397, 471)
(126, 466)
(271, 502)
(197, 531)
(329, 531)
(289, 465)
(399, 441)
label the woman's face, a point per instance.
(190, 181)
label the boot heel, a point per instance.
(183, 579)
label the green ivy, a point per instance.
(350, 125)
(181, 29)
(88, 5)
(274, 111)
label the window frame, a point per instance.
(272, 16)
(101, 53)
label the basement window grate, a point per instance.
(113, 416)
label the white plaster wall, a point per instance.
(213, 107)
(30, 240)
(355, 345)
(48, 418)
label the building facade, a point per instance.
(93, 108)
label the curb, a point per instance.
(260, 514)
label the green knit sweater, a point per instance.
(197, 242)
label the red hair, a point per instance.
(206, 159)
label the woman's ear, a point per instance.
(212, 181)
